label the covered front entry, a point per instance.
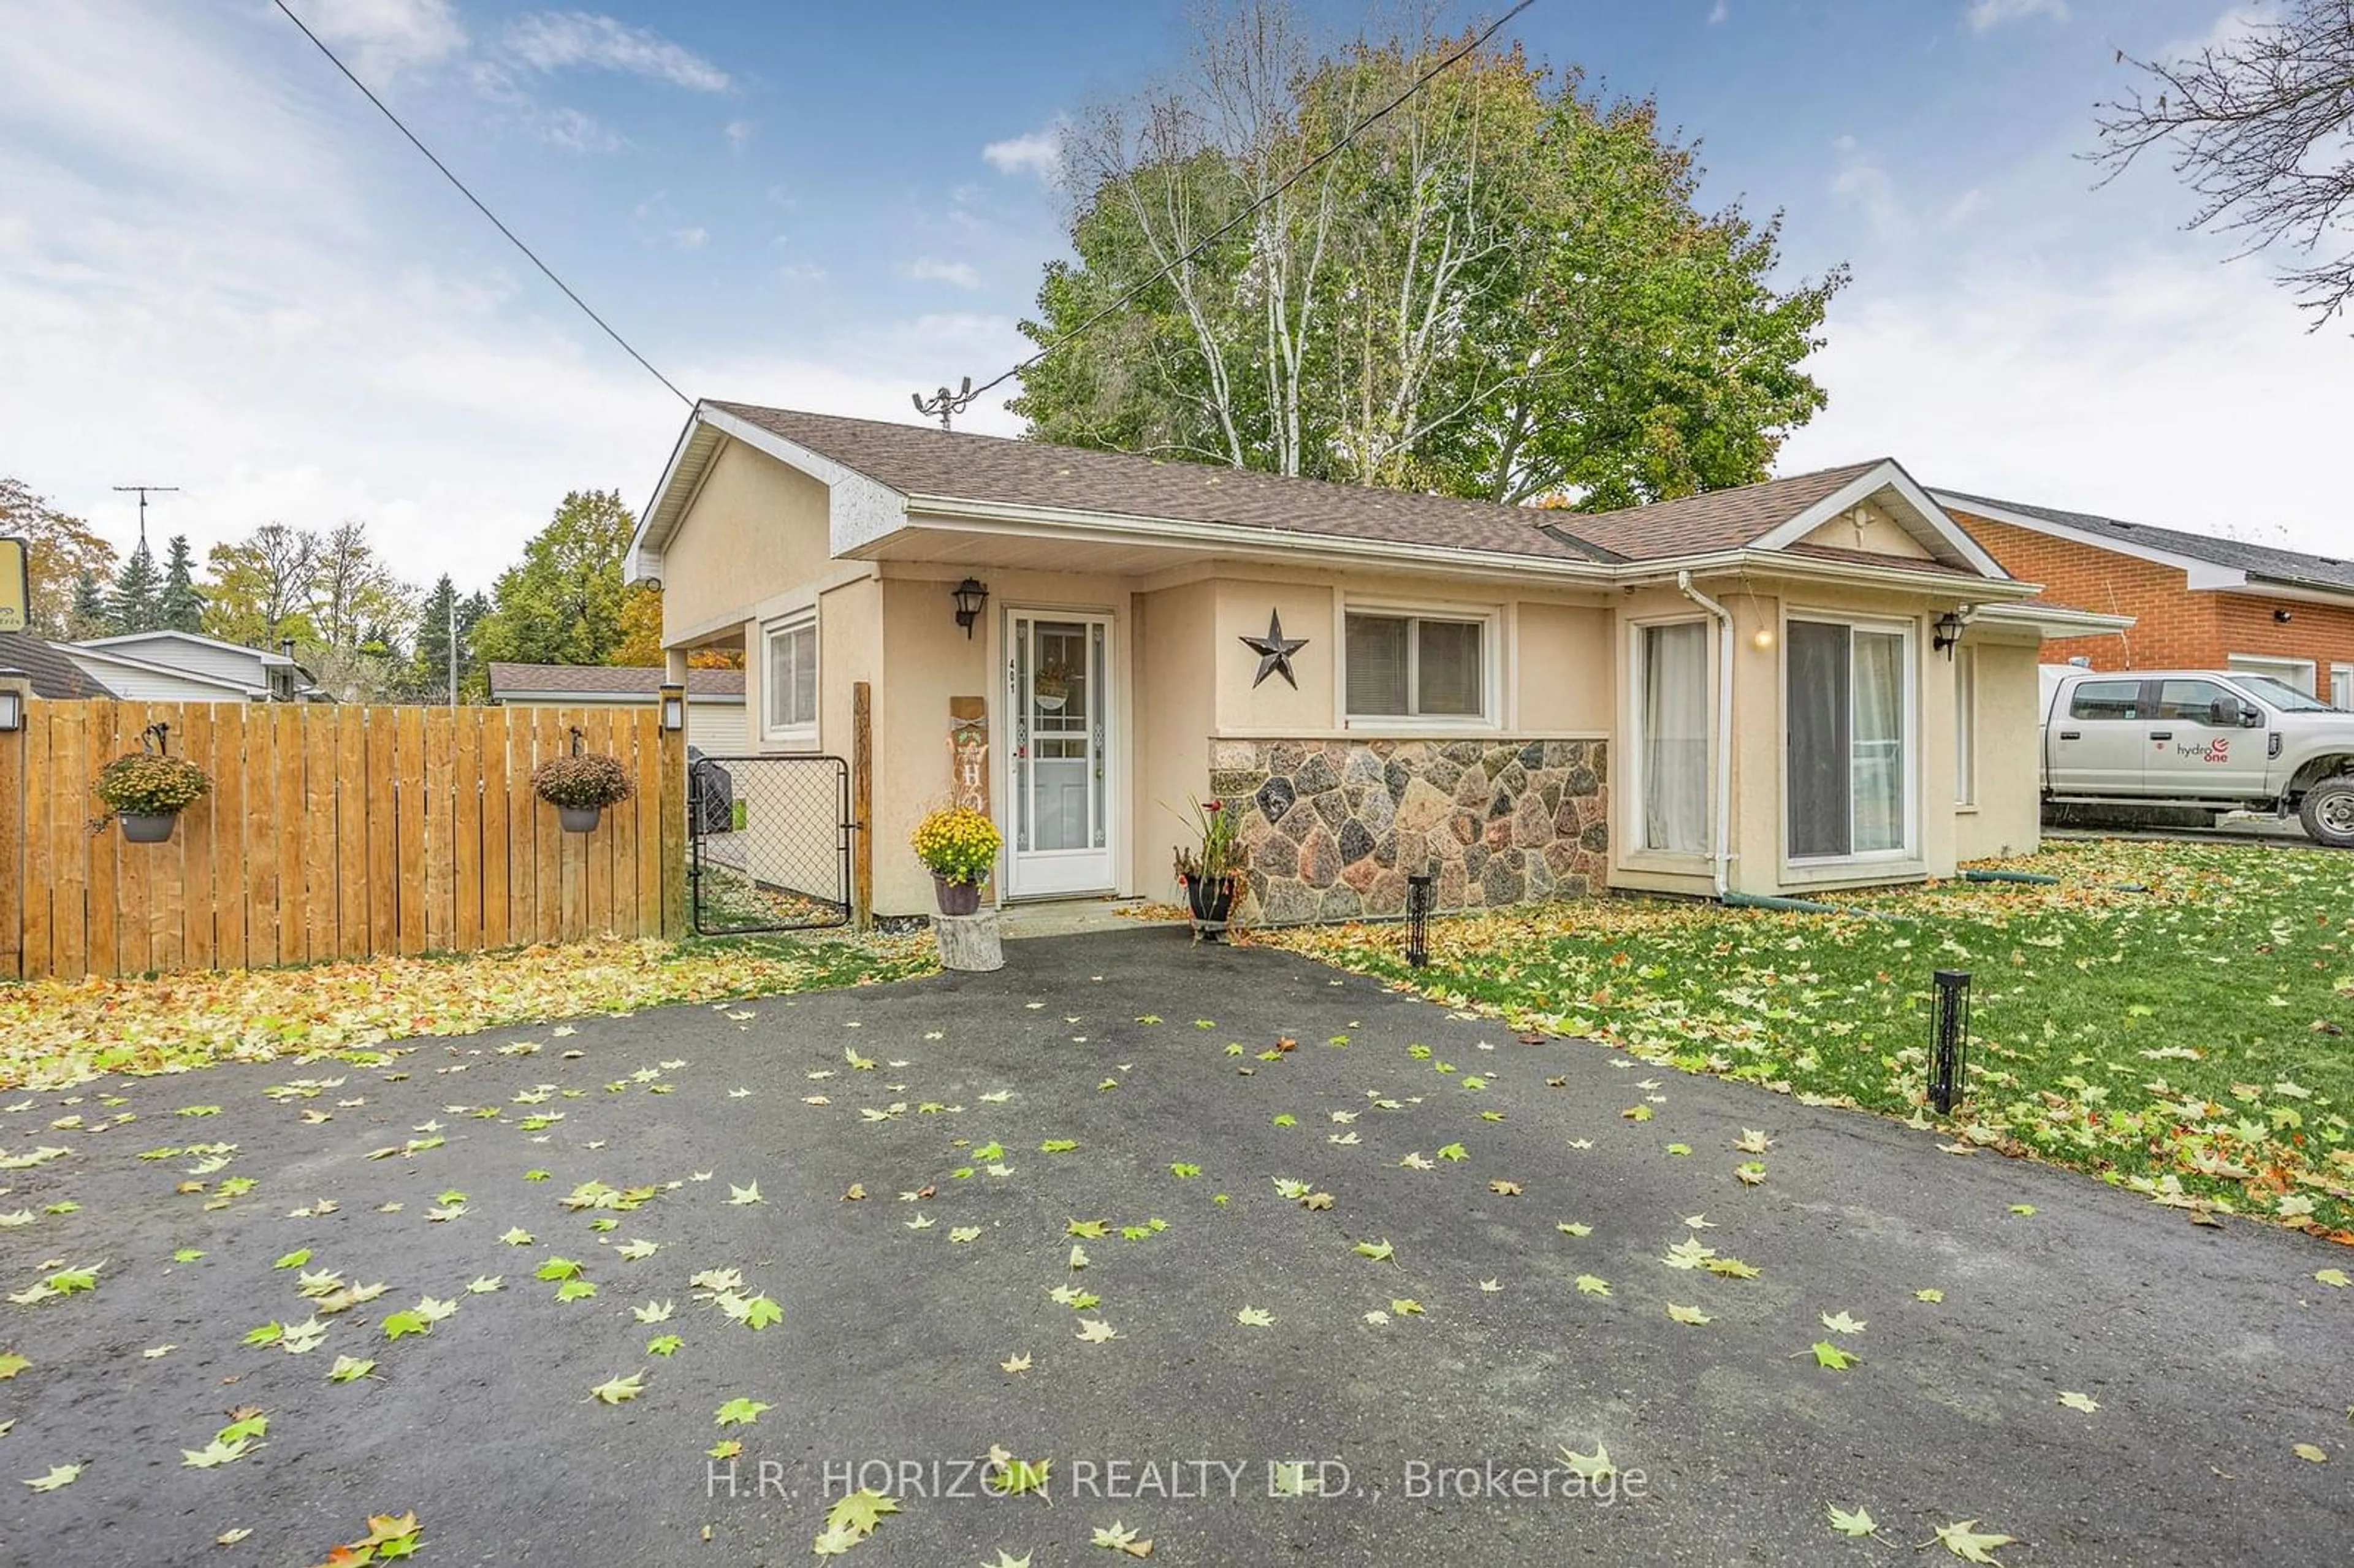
(1058, 786)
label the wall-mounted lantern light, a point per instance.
(674, 709)
(1948, 633)
(2282, 617)
(12, 707)
(969, 596)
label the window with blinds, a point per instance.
(1414, 666)
(789, 681)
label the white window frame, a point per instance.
(1909, 852)
(1635, 751)
(2341, 685)
(2298, 673)
(800, 735)
(1966, 728)
(1488, 618)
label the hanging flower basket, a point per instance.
(580, 787)
(146, 793)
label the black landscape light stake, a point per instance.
(1418, 891)
(1949, 1041)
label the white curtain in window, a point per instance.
(1878, 759)
(1675, 737)
(792, 677)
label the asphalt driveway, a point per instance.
(1429, 1435)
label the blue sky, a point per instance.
(219, 269)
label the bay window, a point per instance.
(1672, 725)
(1847, 703)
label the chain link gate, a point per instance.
(768, 844)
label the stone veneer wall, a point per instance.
(1332, 827)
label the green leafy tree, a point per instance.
(562, 603)
(62, 550)
(258, 588)
(181, 608)
(1503, 289)
(135, 602)
(356, 601)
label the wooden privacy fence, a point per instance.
(329, 833)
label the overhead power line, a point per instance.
(944, 402)
(529, 254)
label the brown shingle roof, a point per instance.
(1718, 520)
(916, 460)
(608, 680)
(54, 676)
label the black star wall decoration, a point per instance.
(1275, 651)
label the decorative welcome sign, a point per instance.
(969, 753)
(15, 585)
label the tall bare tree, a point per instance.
(2260, 123)
(1490, 285)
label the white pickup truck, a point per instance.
(2205, 740)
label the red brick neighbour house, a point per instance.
(2197, 603)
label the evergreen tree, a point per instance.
(430, 668)
(182, 608)
(136, 602)
(87, 617)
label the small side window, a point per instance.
(2189, 702)
(2099, 700)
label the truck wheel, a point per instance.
(2327, 811)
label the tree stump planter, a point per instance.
(970, 943)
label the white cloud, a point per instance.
(1985, 14)
(801, 273)
(1861, 182)
(382, 38)
(574, 131)
(739, 133)
(932, 270)
(1036, 152)
(691, 239)
(1718, 13)
(556, 40)
(2165, 387)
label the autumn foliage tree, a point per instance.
(61, 553)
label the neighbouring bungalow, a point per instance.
(714, 698)
(186, 667)
(1816, 683)
(2197, 603)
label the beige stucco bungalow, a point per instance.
(1816, 683)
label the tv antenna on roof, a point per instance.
(144, 490)
(944, 402)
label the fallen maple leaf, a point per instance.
(1858, 1523)
(1122, 1539)
(1964, 1541)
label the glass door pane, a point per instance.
(1820, 772)
(1879, 729)
(1063, 697)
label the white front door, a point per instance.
(1058, 688)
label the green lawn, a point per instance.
(2190, 1041)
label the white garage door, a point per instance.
(717, 729)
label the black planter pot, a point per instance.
(957, 897)
(579, 819)
(146, 827)
(1212, 900)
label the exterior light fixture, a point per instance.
(1949, 1041)
(2282, 617)
(969, 596)
(1948, 633)
(12, 710)
(1419, 889)
(674, 709)
(1762, 638)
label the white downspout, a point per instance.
(1719, 840)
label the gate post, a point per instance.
(12, 829)
(673, 812)
(862, 805)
